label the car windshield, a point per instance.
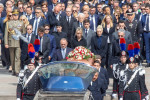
(67, 69)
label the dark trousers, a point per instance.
(5, 55)
(28, 97)
(108, 59)
(131, 96)
(147, 46)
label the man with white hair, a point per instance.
(79, 23)
(2, 12)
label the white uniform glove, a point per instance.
(114, 95)
(147, 97)
(121, 99)
(18, 98)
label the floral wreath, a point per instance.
(80, 53)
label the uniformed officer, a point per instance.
(131, 83)
(33, 84)
(133, 25)
(116, 70)
(12, 43)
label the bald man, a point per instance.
(55, 18)
(62, 53)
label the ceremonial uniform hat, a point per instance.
(123, 47)
(129, 11)
(131, 58)
(15, 12)
(31, 52)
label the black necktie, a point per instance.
(86, 32)
(29, 37)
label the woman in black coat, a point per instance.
(99, 44)
(78, 40)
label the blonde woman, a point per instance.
(25, 20)
(78, 40)
(5, 51)
(99, 44)
(108, 29)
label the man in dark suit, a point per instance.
(127, 33)
(54, 18)
(2, 11)
(99, 45)
(44, 45)
(69, 20)
(24, 46)
(79, 23)
(52, 6)
(93, 18)
(136, 10)
(146, 27)
(62, 53)
(38, 21)
(88, 33)
(29, 13)
(103, 75)
(52, 42)
(116, 46)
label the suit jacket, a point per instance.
(52, 45)
(99, 50)
(69, 27)
(32, 16)
(143, 20)
(105, 73)
(53, 21)
(45, 49)
(41, 22)
(97, 88)
(24, 47)
(106, 33)
(116, 50)
(90, 34)
(74, 27)
(127, 36)
(58, 54)
(96, 18)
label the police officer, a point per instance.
(116, 70)
(131, 84)
(12, 43)
(133, 25)
(27, 87)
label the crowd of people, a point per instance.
(62, 25)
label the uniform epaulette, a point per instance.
(114, 66)
(141, 72)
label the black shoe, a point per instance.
(13, 74)
(148, 65)
(17, 74)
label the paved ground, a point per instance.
(8, 85)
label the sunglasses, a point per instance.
(129, 14)
(9, 15)
(46, 29)
(22, 19)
